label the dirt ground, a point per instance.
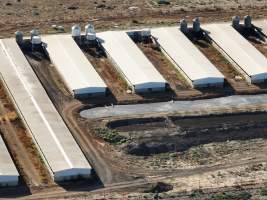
(177, 143)
(214, 158)
(111, 14)
(224, 165)
(117, 169)
(229, 160)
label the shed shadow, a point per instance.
(82, 185)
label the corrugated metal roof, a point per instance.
(73, 65)
(42, 119)
(238, 48)
(7, 166)
(129, 58)
(184, 53)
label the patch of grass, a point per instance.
(264, 192)
(110, 136)
(231, 196)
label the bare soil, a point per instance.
(216, 166)
(205, 151)
(111, 14)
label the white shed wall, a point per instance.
(129, 60)
(51, 135)
(186, 57)
(9, 175)
(239, 50)
(76, 70)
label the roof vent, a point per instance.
(36, 40)
(89, 28)
(183, 26)
(146, 32)
(91, 36)
(196, 24)
(76, 31)
(247, 21)
(34, 32)
(235, 22)
(19, 37)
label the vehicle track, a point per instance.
(105, 171)
(135, 184)
(113, 179)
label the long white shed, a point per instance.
(194, 66)
(243, 55)
(56, 145)
(77, 72)
(130, 62)
(9, 175)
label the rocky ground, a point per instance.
(231, 167)
(26, 14)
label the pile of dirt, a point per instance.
(185, 133)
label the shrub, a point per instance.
(264, 192)
(110, 136)
(231, 196)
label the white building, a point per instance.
(195, 67)
(130, 62)
(77, 72)
(9, 175)
(243, 55)
(55, 143)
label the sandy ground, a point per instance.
(111, 14)
(26, 14)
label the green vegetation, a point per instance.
(110, 136)
(231, 196)
(264, 192)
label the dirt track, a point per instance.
(112, 15)
(135, 185)
(114, 169)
